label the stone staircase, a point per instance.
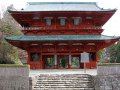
(64, 82)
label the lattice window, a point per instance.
(77, 20)
(62, 22)
(35, 57)
(48, 22)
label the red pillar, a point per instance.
(29, 60)
(96, 58)
(41, 61)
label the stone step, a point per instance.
(66, 75)
(82, 83)
(74, 83)
(56, 78)
(83, 86)
(66, 79)
(60, 87)
(62, 77)
(64, 82)
(89, 79)
(65, 89)
(64, 85)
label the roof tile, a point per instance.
(61, 37)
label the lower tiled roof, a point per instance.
(61, 37)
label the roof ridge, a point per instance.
(62, 6)
(107, 35)
(37, 3)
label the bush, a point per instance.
(5, 61)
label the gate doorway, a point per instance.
(75, 62)
(48, 61)
(63, 62)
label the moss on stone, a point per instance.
(13, 65)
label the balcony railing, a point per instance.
(53, 28)
(86, 27)
(31, 28)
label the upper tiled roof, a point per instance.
(61, 37)
(62, 6)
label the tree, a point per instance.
(8, 27)
(113, 53)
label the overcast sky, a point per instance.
(112, 27)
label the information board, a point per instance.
(84, 57)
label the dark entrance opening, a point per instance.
(48, 61)
(63, 62)
(75, 62)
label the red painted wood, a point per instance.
(91, 65)
(23, 17)
(63, 31)
(38, 27)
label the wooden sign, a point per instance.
(84, 57)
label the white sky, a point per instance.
(112, 27)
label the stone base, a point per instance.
(14, 83)
(14, 77)
(107, 82)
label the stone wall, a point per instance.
(14, 77)
(107, 82)
(108, 69)
(108, 77)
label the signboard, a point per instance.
(84, 57)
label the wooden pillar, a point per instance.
(29, 59)
(41, 59)
(41, 62)
(55, 59)
(70, 58)
(96, 58)
(80, 64)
